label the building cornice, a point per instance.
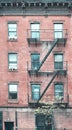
(35, 7)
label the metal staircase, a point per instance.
(55, 74)
(55, 42)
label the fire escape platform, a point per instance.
(35, 41)
(40, 73)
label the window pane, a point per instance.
(58, 65)
(59, 90)
(12, 30)
(35, 26)
(35, 35)
(35, 91)
(58, 34)
(12, 57)
(13, 65)
(35, 61)
(58, 30)
(13, 96)
(59, 57)
(35, 30)
(13, 88)
(58, 26)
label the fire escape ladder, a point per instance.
(55, 42)
(48, 86)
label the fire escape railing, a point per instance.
(45, 35)
(48, 86)
(55, 42)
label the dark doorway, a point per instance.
(9, 125)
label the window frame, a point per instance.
(15, 63)
(13, 83)
(56, 31)
(33, 94)
(35, 66)
(35, 31)
(14, 38)
(60, 63)
(60, 94)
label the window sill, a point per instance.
(12, 40)
(13, 101)
(14, 70)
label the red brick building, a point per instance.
(36, 63)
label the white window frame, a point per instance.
(13, 89)
(12, 63)
(58, 30)
(35, 30)
(12, 31)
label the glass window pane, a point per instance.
(58, 26)
(13, 88)
(58, 34)
(12, 31)
(12, 57)
(59, 90)
(59, 58)
(35, 35)
(13, 65)
(35, 61)
(35, 91)
(35, 26)
(12, 26)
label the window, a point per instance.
(59, 91)
(58, 61)
(35, 30)
(12, 31)
(35, 91)
(35, 61)
(12, 58)
(58, 30)
(13, 91)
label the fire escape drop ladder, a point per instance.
(55, 42)
(48, 85)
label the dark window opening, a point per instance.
(9, 125)
(35, 91)
(35, 61)
(43, 122)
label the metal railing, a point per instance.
(46, 34)
(47, 67)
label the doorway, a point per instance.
(9, 125)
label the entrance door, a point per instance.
(9, 125)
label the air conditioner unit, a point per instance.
(12, 68)
(12, 37)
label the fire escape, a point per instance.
(56, 72)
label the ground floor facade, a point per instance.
(26, 119)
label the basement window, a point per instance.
(13, 91)
(12, 31)
(35, 91)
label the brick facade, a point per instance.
(19, 112)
